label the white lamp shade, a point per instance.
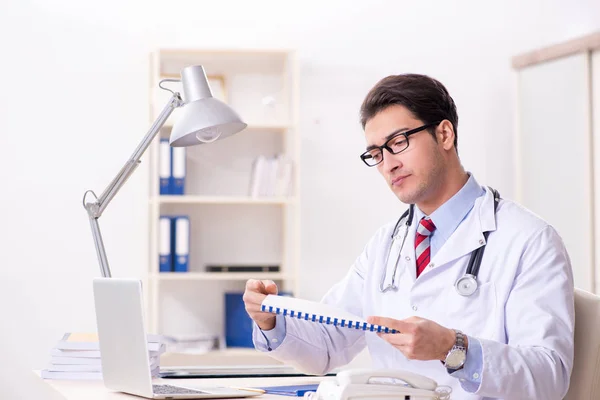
(203, 118)
(204, 121)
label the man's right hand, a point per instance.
(256, 291)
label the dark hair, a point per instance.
(422, 95)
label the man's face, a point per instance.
(416, 173)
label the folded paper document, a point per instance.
(294, 390)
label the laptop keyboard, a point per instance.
(168, 389)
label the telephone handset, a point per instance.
(360, 384)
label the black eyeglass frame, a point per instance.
(366, 155)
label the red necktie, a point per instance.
(422, 249)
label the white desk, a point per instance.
(95, 390)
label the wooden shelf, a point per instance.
(224, 61)
(218, 276)
(254, 127)
(267, 127)
(262, 86)
(241, 200)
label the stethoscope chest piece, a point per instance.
(466, 285)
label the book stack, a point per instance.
(77, 356)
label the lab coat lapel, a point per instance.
(469, 234)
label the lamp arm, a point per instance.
(96, 207)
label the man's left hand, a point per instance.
(419, 339)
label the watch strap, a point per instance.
(459, 344)
(460, 340)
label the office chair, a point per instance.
(585, 378)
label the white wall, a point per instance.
(73, 101)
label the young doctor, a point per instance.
(502, 331)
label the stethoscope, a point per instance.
(466, 285)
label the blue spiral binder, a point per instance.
(363, 326)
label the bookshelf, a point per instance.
(219, 276)
(166, 199)
(228, 225)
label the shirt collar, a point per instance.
(450, 214)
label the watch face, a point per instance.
(456, 358)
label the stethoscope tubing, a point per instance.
(465, 285)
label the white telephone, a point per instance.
(383, 383)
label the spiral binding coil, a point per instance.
(328, 320)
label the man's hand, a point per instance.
(419, 339)
(255, 293)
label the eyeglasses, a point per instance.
(395, 144)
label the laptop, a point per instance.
(124, 349)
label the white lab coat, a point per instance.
(522, 312)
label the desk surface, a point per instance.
(95, 390)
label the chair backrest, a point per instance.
(585, 378)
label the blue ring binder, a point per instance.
(327, 320)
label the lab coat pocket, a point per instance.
(474, 315)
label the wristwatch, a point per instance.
(458, 353)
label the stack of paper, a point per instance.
(77, 356)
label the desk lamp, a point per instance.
(203, 119)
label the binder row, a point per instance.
(171, 169)
(174, 243)
(364, 326)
